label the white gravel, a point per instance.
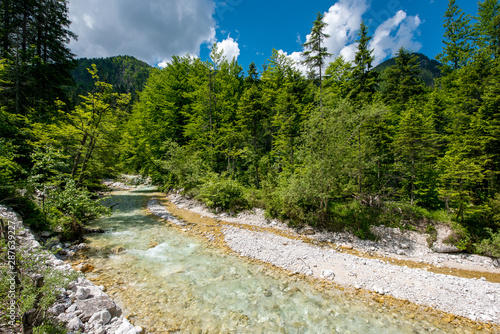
(475, 299)
(471, 298)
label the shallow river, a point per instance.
(167, 281)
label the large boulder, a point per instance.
(100, 318)
(97, 304)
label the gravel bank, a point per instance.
(471, 298)
(476, 299)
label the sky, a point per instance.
(248, 30)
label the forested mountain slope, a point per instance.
(429, 68)
(125, 73)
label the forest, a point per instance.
(342, 147)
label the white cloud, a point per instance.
(151, 30)
(349, 51)
(297, 59)
(396, 32)
(344, 19)
(230, 48)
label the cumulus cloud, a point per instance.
(297, 59)
(344, 19)
(396, 32)
(230, 48)
(152, 30)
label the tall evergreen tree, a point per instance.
(34, 37)
(364, 80)
(316, 53)
(457, 49)
(487, 27)
(403, 81)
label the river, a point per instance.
(167, 281)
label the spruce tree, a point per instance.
(487, 27)
(403, 81)
(457, 49)
(317, 53)
(34, 37)
(364, 80)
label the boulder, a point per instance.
(82, 293)
(308, 230)
(443, 248)
(45, 234)
(126, 328)
(58, 309)
(100, 318)
(118, 250)
(93, 305)
(74, 324)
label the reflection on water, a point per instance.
(167, 281)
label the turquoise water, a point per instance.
(168, 281)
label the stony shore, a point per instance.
(81, 306)
(400, 265)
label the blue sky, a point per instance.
(154, 30)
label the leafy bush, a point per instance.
(70, 207)
(354, 217)
(222, 192)
(490, 246)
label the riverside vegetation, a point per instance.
(340, 148)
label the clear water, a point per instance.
(170, 282)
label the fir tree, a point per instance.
(317, 53)
(457, 49)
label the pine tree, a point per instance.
(487, 27)
(364, 80)
(413, 144)
(317, 53)
(457, 50)
(34, 37)
(403, 81)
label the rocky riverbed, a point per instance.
(81, 306)
(400, 265)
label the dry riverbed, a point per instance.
(399, 271)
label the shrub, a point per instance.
(490, 246)
(222, 192)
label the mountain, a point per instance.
(127, 75)
(429, 68)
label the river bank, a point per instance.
(80, 305)
(400, 269)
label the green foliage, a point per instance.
(457, 48)
(70, 207)
(429, 69)
(38, 57)
(222, 192)
(364, 80)
(126, 74)
(29, 263)
(490, 246)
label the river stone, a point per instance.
(308, 230)
(442, 248)
(101, 318)
(328, 274)
(74, 324)
(82, 293)
(58, 309)
(97, 304)
(118, 250)
(126, 328)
